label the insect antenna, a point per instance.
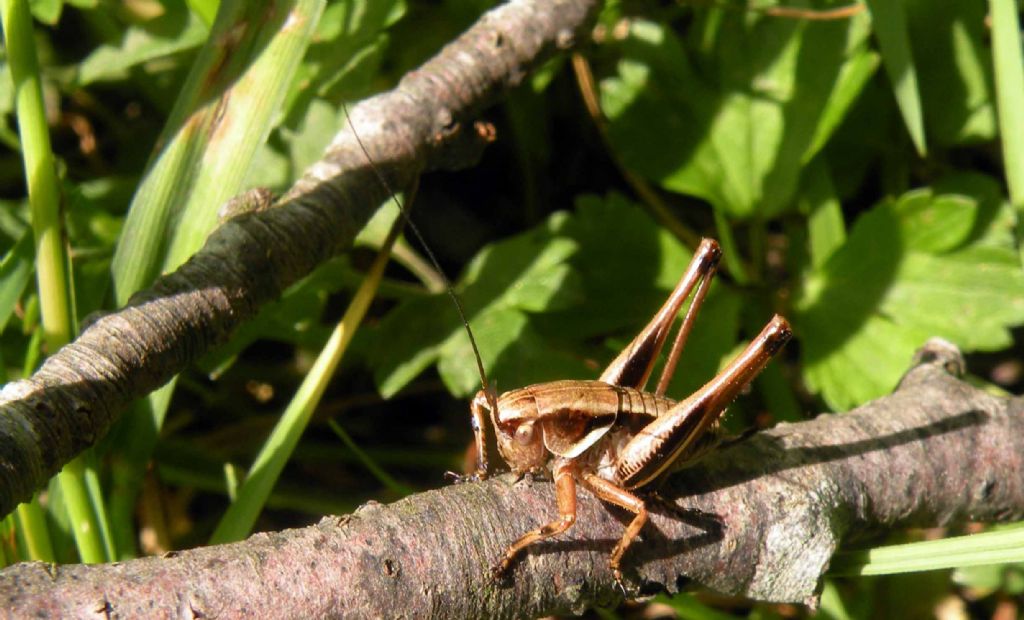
(430, 254)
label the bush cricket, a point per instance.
(610, 436)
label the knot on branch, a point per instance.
(938, 355)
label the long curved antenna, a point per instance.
(426, 249)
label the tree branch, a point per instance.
(79, 392)
(759, 518)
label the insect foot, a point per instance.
(498, 572)
(621, 584)
(464, 478)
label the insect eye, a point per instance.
(524, 434)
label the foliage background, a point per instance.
(852, 168)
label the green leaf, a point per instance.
(911, 269)
(524, 274)
(935, 223)
(346, 53)
(46, 11)
(414, 332)
(174, 31)
(826, 228)
(16, 269)
(626, 264)
(853, 77)
(738, 132)
(540, 301)
(890, 24)
(950, 44)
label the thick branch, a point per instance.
(78, 393)
(760, 518)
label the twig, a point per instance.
(72, 400)
(759, 518)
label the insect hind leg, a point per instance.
(622, 498)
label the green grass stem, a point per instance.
(52, 263)
(997, 547)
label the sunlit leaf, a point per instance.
(527, 273)
(739, 134)
(907, 273)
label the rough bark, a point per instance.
(759, 518)
(422, 124)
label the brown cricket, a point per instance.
(610, 436)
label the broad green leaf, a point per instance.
(413, 335)
(738, 132)
(626, 264)
(525, 274)
(935, 223)
(890, 25)
(911, 269)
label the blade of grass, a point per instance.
(31, 523)
(382, 476)
(29, 519)
(52, 262)
(239, 519)
(223, 114)
(1009, 77)
(730, 252)
(998, 547)
(84, 525)
(231, 477)
(15, 272)
(95, 490)
(686, 606)
(890, 25)
(205, 9)
(40, 176)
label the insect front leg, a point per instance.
(613, 494)
(633, 367)
(479, 420)
(565, 495)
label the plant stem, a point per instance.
(52, 262)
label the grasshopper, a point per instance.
(610, 436)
